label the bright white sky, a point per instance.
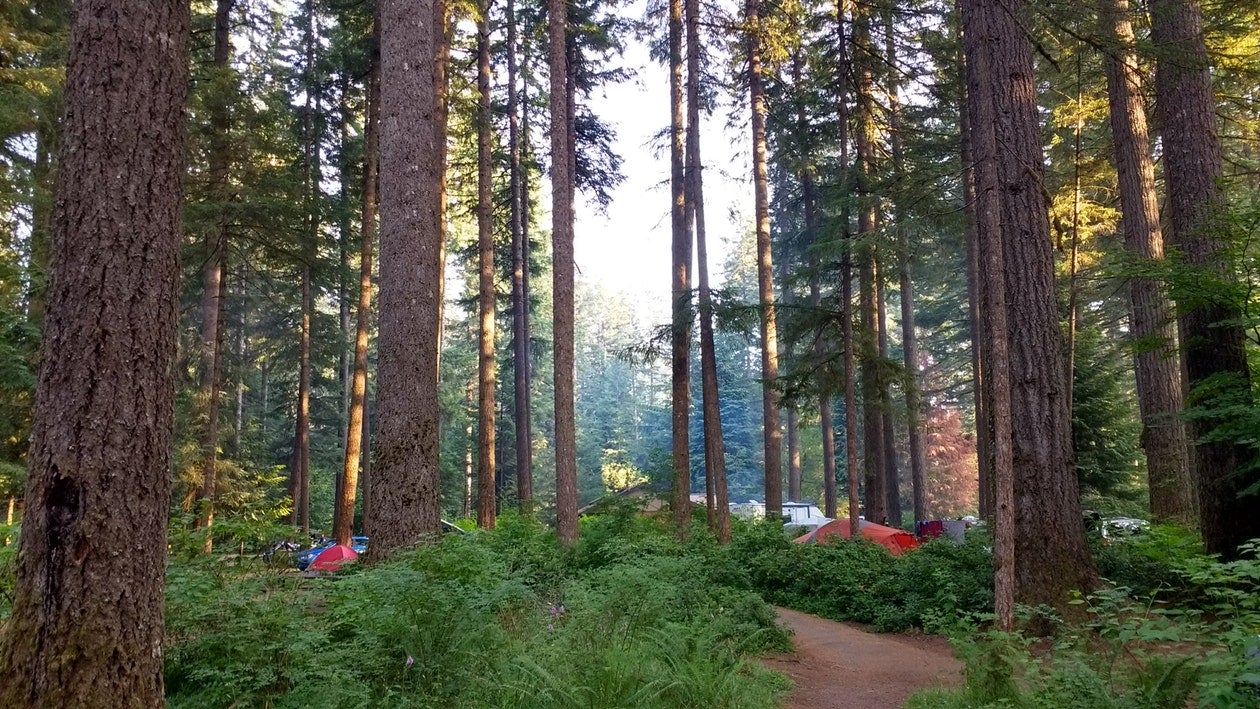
(629, 249)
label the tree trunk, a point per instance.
(302, 436)
(300, 476)
(1051, 557)
(242, 333)
(343, 525)
(412, 132)
(846, 280)
(793, 456)
(486, 374)
(772, 433)
(1212, 336)
(991, 289)
(520, 296)
(1151, 316)
(909, 343)
(892, 485)
(680, 332)
(212, 279)
(441, 85)
(345, 355)
(809, 199)
(874, 468)
(86, 623)
(714, 449)
(981, 396)
(562, 275)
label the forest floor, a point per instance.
(839, 666)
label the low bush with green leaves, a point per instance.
(1192, 640)
(507, 618)
(933, 588)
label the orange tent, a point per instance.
(332, 558)
(895, 541)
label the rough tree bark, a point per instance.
(714, 450)
(680, 291)
(1051, 557)
(873, 458)
(212, 278)
(1212, 338)
(562, 274)
(406, 445)
(343, 525)
(991, 291)
(520, 294)
(1156, 363)
(86, 625)
(772, 433)
(486, 499)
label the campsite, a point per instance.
(630, 353)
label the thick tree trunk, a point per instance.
(991, 290)
(486, 375)
(86, 624)
(212, 278)
(714, 450)
(520, 295)
(1051, 558)
(772, 433)
(562, 275)
(412, 132)
(1151, 315)
(343, 525)
(1212, 338)
(680, 291)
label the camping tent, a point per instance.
(332, 558)
(895, 541)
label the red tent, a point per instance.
(332, 558)
(895, 541)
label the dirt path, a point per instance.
(837, 666)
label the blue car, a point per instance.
(304, 559)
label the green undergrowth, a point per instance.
(629, 618)
(1186, 633)
(934, 588)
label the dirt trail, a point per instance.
(837, 666)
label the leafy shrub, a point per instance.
(933, 588)
(1148, 562)
(502, 618)
(1133, 650)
